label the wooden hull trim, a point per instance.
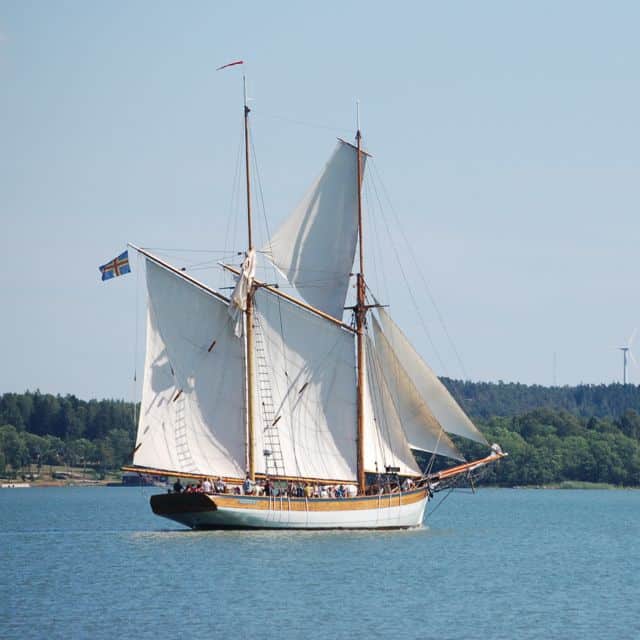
(234, 480)
(223, 511)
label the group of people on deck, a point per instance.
(208, 485)
(291, 489)
(299, 489)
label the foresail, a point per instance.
(420, 426)
(192, 408)
(315, 246)
(305, 382)
(385, 443)
(441, 403)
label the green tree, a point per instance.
(629, 424)
(13, 447)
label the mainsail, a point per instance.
(309, 372)
(315, 246)
(192, 407)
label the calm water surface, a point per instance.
(513, 564)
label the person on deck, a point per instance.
(219, 485)
(206, 486)
(247, 486)
(177, 486)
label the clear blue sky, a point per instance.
(505, 133)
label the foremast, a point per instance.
(249, 301)
(360, 311)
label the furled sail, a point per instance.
(445, 409)
(192, 408)
(305, 366)
(385, 442)
(238, 301)
(315, 246)
(420, 426)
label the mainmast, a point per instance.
(361, 311)
(249, 302)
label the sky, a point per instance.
(505, 139)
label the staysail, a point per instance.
(441, 403)
(315, 246)
(385, 442)
(192, 407)
(420, 426)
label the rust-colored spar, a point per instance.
(150, 471)
(467, 466)
(353, 146)
(291, 299)
(179, 273)
(233, 480)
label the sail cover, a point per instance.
(385, 442)
(442, 405)
(420, 426)
(305, 369)
(192, 408)
(315, 246)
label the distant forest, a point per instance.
(587, 433)
(483, 400)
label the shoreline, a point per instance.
(576, 485)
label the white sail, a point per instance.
(445, 409)
(315, 246)
(420, 426)
(385, 443)
(305, 366)
(192, 408)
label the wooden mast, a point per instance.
(361, 311)
(249, 302)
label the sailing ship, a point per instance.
(269, 389)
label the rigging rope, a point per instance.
(408, 283)
(311, 125)
(440, 503)
(382, 282)
(374, 365)
(232, 218)
(421, 275)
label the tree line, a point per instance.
(484, 400)
(588, 433)
(42, 429)
(548, 446)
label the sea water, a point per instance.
(514, 564)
